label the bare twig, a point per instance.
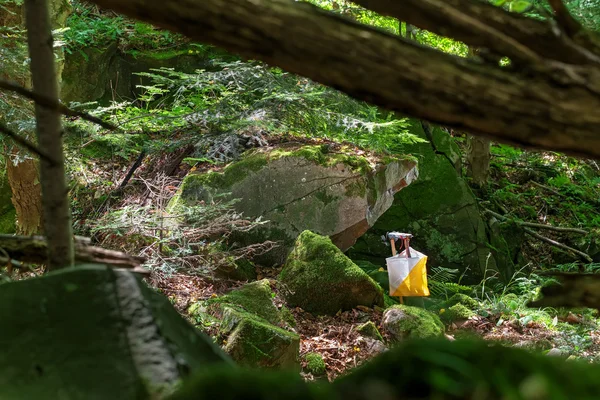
(135, 166)
(26, 144)
(51, 104)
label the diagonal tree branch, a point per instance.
(479, 24)
(4, 130)
(50, 104)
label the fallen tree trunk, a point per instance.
(32, 249)
(544, 104)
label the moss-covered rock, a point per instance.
(303, 187)
(94, 332)
(319, 278)
(252, 329)
(459, 298)
(376, 272)
(440, 210)
(457, 312)
(405, 322)
(369, 329)
(255, 298)
(255, 343)
(315, 364)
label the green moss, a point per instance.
(7, 222)
(389, 301)
(315, 364)
(459, 298)
(369, 329)
(457, 312)
(406, 322)
(287, 316)
(256, 343)
(255, 298)
(318, 155)
(321, 279)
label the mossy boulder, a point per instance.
(442, 213)
(304, 187)
(320, 279)
(459, 298)
(256, 343)
(455, 313)
(94, 332)
(405, 322)
(369, 329)
(315, 364)
(253, 330)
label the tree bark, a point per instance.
(57, 214)
(546, 105)
(23, 178)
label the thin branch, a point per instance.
(51, 104)
(564, 18)
(554, 243)
(548, 189)
(539, 226)
(543, 238)
(26, 144)
(553, 228)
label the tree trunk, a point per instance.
(544, 104)
(478, 159)
(23, 178)
(22, 171)
(56, 211)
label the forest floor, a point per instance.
(502, 317)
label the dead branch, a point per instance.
(543, 238)
(557, 244)
(51, 104)
(32, 249)
(539, 226)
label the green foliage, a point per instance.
(88, 27)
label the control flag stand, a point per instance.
(406, 270)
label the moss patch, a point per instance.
(255, 298)
(406, 322)
(459, 298)
(457, 312)
(255, 343)
(369, 329)
(319, 278)
(315, 364)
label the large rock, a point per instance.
(320, 279)
(440, 210)
(94, 333)
(405, 322)
(252, 328)
(337, 195)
